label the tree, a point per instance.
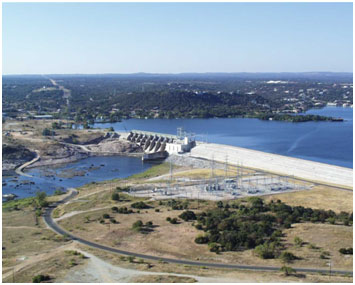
(287, 270)
(346, 250)
(187, 215)
(149, 224)
(137, 225)
(40, 199)
(140, 205)
(265, 251)
(115, 196)
(173, 221)
(56, 125)
(47, 132)
(131, 258)
(287, 257)
(201, 239)
(40, 278)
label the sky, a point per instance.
(68, 38)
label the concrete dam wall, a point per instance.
(300, 168)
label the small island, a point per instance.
(298, 118)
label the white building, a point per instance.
(179, 146)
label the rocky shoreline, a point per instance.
(70, 153)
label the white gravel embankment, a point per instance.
(300, 168)
(193, 162)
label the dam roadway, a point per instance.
(279, 164)
(302, 169)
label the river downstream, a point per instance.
(51, 178)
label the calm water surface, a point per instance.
(87, 170)
(327, 142)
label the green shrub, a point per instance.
(265, 251)
(106, 216)
(298, 241)
(149, 224)
(115, 196)
(214, 247)
(40, 278)
(346, 250)
(187, 215)
(173, 221)
(137, 225)
(140, 205)
(201, 239)
(58, 192)
(287, 257)
(287, 270)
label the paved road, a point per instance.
(54, 226)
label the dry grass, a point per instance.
(22, 238)
(206, 173)
(163, 279)
(177, 241)
(323, 237)
(319, 197)
(54, 266)
(215, 275)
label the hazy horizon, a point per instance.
(181, 73)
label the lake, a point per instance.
(327, 142)
(87, 170)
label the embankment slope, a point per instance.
(300, 168)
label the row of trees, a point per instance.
(256, 225)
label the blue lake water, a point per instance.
(50, 178)
(327, 142)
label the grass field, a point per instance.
(177, 240)
(319, 197)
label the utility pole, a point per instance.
(212, 167)
(226, 168)
(171, 171)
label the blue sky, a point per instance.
(45, 38)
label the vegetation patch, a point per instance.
(256, 225)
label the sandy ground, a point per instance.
(97, 270)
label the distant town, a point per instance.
(89, 99)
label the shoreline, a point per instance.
(74, 158)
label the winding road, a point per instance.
(55, 227)
(19, 169)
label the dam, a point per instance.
(274, 163)
(279, 164)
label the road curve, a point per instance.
(20, 168)
(55, 227)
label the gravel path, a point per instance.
(97, 270)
